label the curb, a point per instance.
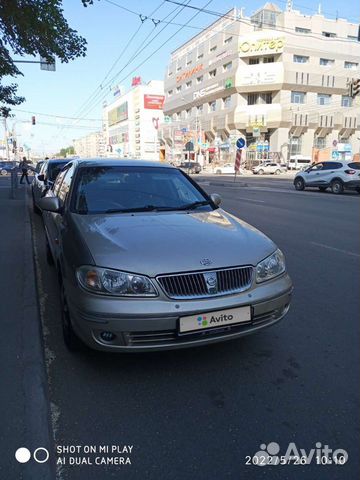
(35, 383)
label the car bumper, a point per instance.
(153, 324)
(352, 184)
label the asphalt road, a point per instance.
(197, 414)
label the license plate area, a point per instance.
(202, 322)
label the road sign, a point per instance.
(189, 147)
(45, 65)
(334, 143)
(240, 143)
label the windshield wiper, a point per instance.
(192, 206)
(145, 208)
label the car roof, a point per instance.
(112, 162)
(57, 160)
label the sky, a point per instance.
(108, 29)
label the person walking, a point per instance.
(24, 169)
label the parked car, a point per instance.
(227, 168)
(274, 168)
(338, 176)
(6, 167)
(45, 179)
(299, 162)
(190, 167)
(116, 231)
(39, 165)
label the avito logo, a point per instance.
(221, 318)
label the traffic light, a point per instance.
(354, 87)
(33, 120)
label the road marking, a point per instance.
(336, 249)
(249, 200)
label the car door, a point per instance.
(38, 186)
(311, 176)
(328, 172)
(54, 222)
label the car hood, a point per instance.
(155, 243)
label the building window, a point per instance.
(323, 99)
(302, 30)
(301, 59)
(329, 34)
(170, 92)
(346, 101)
(227, 66)
(200, 79)
(199, 109)
(269, 60)
(326, 61)
(212, 49)
(212, 73)
(188, 84)
(228, 40)
(320, 142)
(178, 89)
(178, 69)
(169, 74)
(189, 62)
(226, 102)
(212, 106)
(351, 65)
(200, 56)
(298, 97)
(254, 61)
(259, 98)
(295, 145)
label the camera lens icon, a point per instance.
(40, 455)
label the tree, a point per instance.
(33, 27)
(64, 152)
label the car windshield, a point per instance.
(54, 168)
(117, 189)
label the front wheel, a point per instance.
(71, 340)
(277, 172)
(261, 172)
(337, 187)
(299, 184)
(218, 172)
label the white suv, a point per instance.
(336, 175)
(275, 168)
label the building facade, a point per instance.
(92, 145)
(132, 121)
(279, 79)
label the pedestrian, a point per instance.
(24, 169)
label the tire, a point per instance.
(3, 172)
(337, 187)
(218, 172)
(261, 172)
(277, 172)
(357, 189)
(322, 189)
(299, 184)
(71, 340)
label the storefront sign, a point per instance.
(154, 102)
(207, 91)
(189, 73)
(118, 114)
(262, 45)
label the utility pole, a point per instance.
(6, 140)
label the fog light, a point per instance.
(107, 336)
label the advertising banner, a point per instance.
(154, 102)
(118, 114)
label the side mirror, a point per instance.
(50, 204)
(215, 198)
(41, 177)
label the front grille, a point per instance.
(194, 284)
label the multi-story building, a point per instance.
(92, 145)
(279, 79)
(132, 121)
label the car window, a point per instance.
(104, 189)
(54, 169)
(331, 165)
(354, 165)
(317, 166)
(58, 182)
(66, 182)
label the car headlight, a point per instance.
(270, 267)
(113, 282)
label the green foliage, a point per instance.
(34, 27)
(64, 152)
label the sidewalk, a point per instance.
(23, 393)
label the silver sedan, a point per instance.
(147, 260)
